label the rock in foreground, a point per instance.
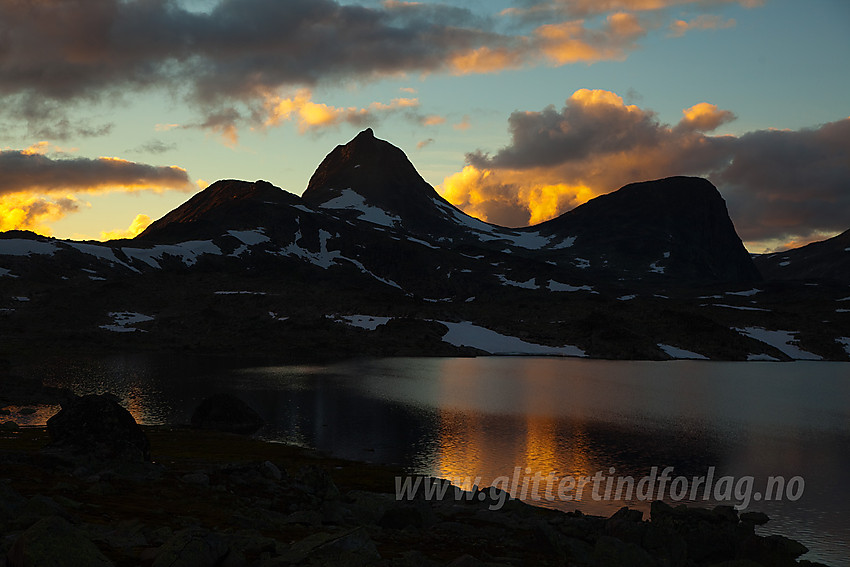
(97, 426)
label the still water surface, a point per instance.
(486, 417)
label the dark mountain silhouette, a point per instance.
(825, 260)
(670, 229)
(224, 205)
(372, 261)
(384, 178)
(678, 225)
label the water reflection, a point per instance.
(486, 417)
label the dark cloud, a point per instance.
(789, 182)
(59, 56)
(539, 10)
(26, 172)
(153, 147)
(587, 125)
(778, 184)
(74, 51)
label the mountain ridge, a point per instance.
(654, 270)
(676, 227)
(824, 260)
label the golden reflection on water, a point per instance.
(39, 417)
(526, 435)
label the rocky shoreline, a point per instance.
(94, 489)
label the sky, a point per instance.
(114, 112)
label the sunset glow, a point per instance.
(517, 111)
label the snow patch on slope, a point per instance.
(24, 247)
(748, 293)
(558, 286)
(352, 200)
(121, 321)
(780, 340)
(367, 322)
(250, 237)
(526, 284)
(470, 335)
(680, 353)
(188, 252)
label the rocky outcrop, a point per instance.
(53, 542)
(292, 511)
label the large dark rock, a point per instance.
(98, 426)
(53, 542)
(193, 547)
(226, 412)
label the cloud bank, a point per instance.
(779, 184)
(57, 56)
(37, 189)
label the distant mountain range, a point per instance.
(371, 260)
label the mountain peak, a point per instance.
(224, 204)
(680, 224)
(372, 173)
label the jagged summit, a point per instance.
(371, 172)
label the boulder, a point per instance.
(53, 542)
(96, 425)
(226, 412)
(195, 547)
(11, 502)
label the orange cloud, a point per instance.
(486, 60)
(433, 120)
(511, 198)
(705, 117)
(37, 190)
(136, 227)
(558, 44)
(572, 42)
(313, 115)
(779, 185)
(464, 124)
(703, 22)
(589, 7)
(20, 211)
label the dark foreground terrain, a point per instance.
(218, 499)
